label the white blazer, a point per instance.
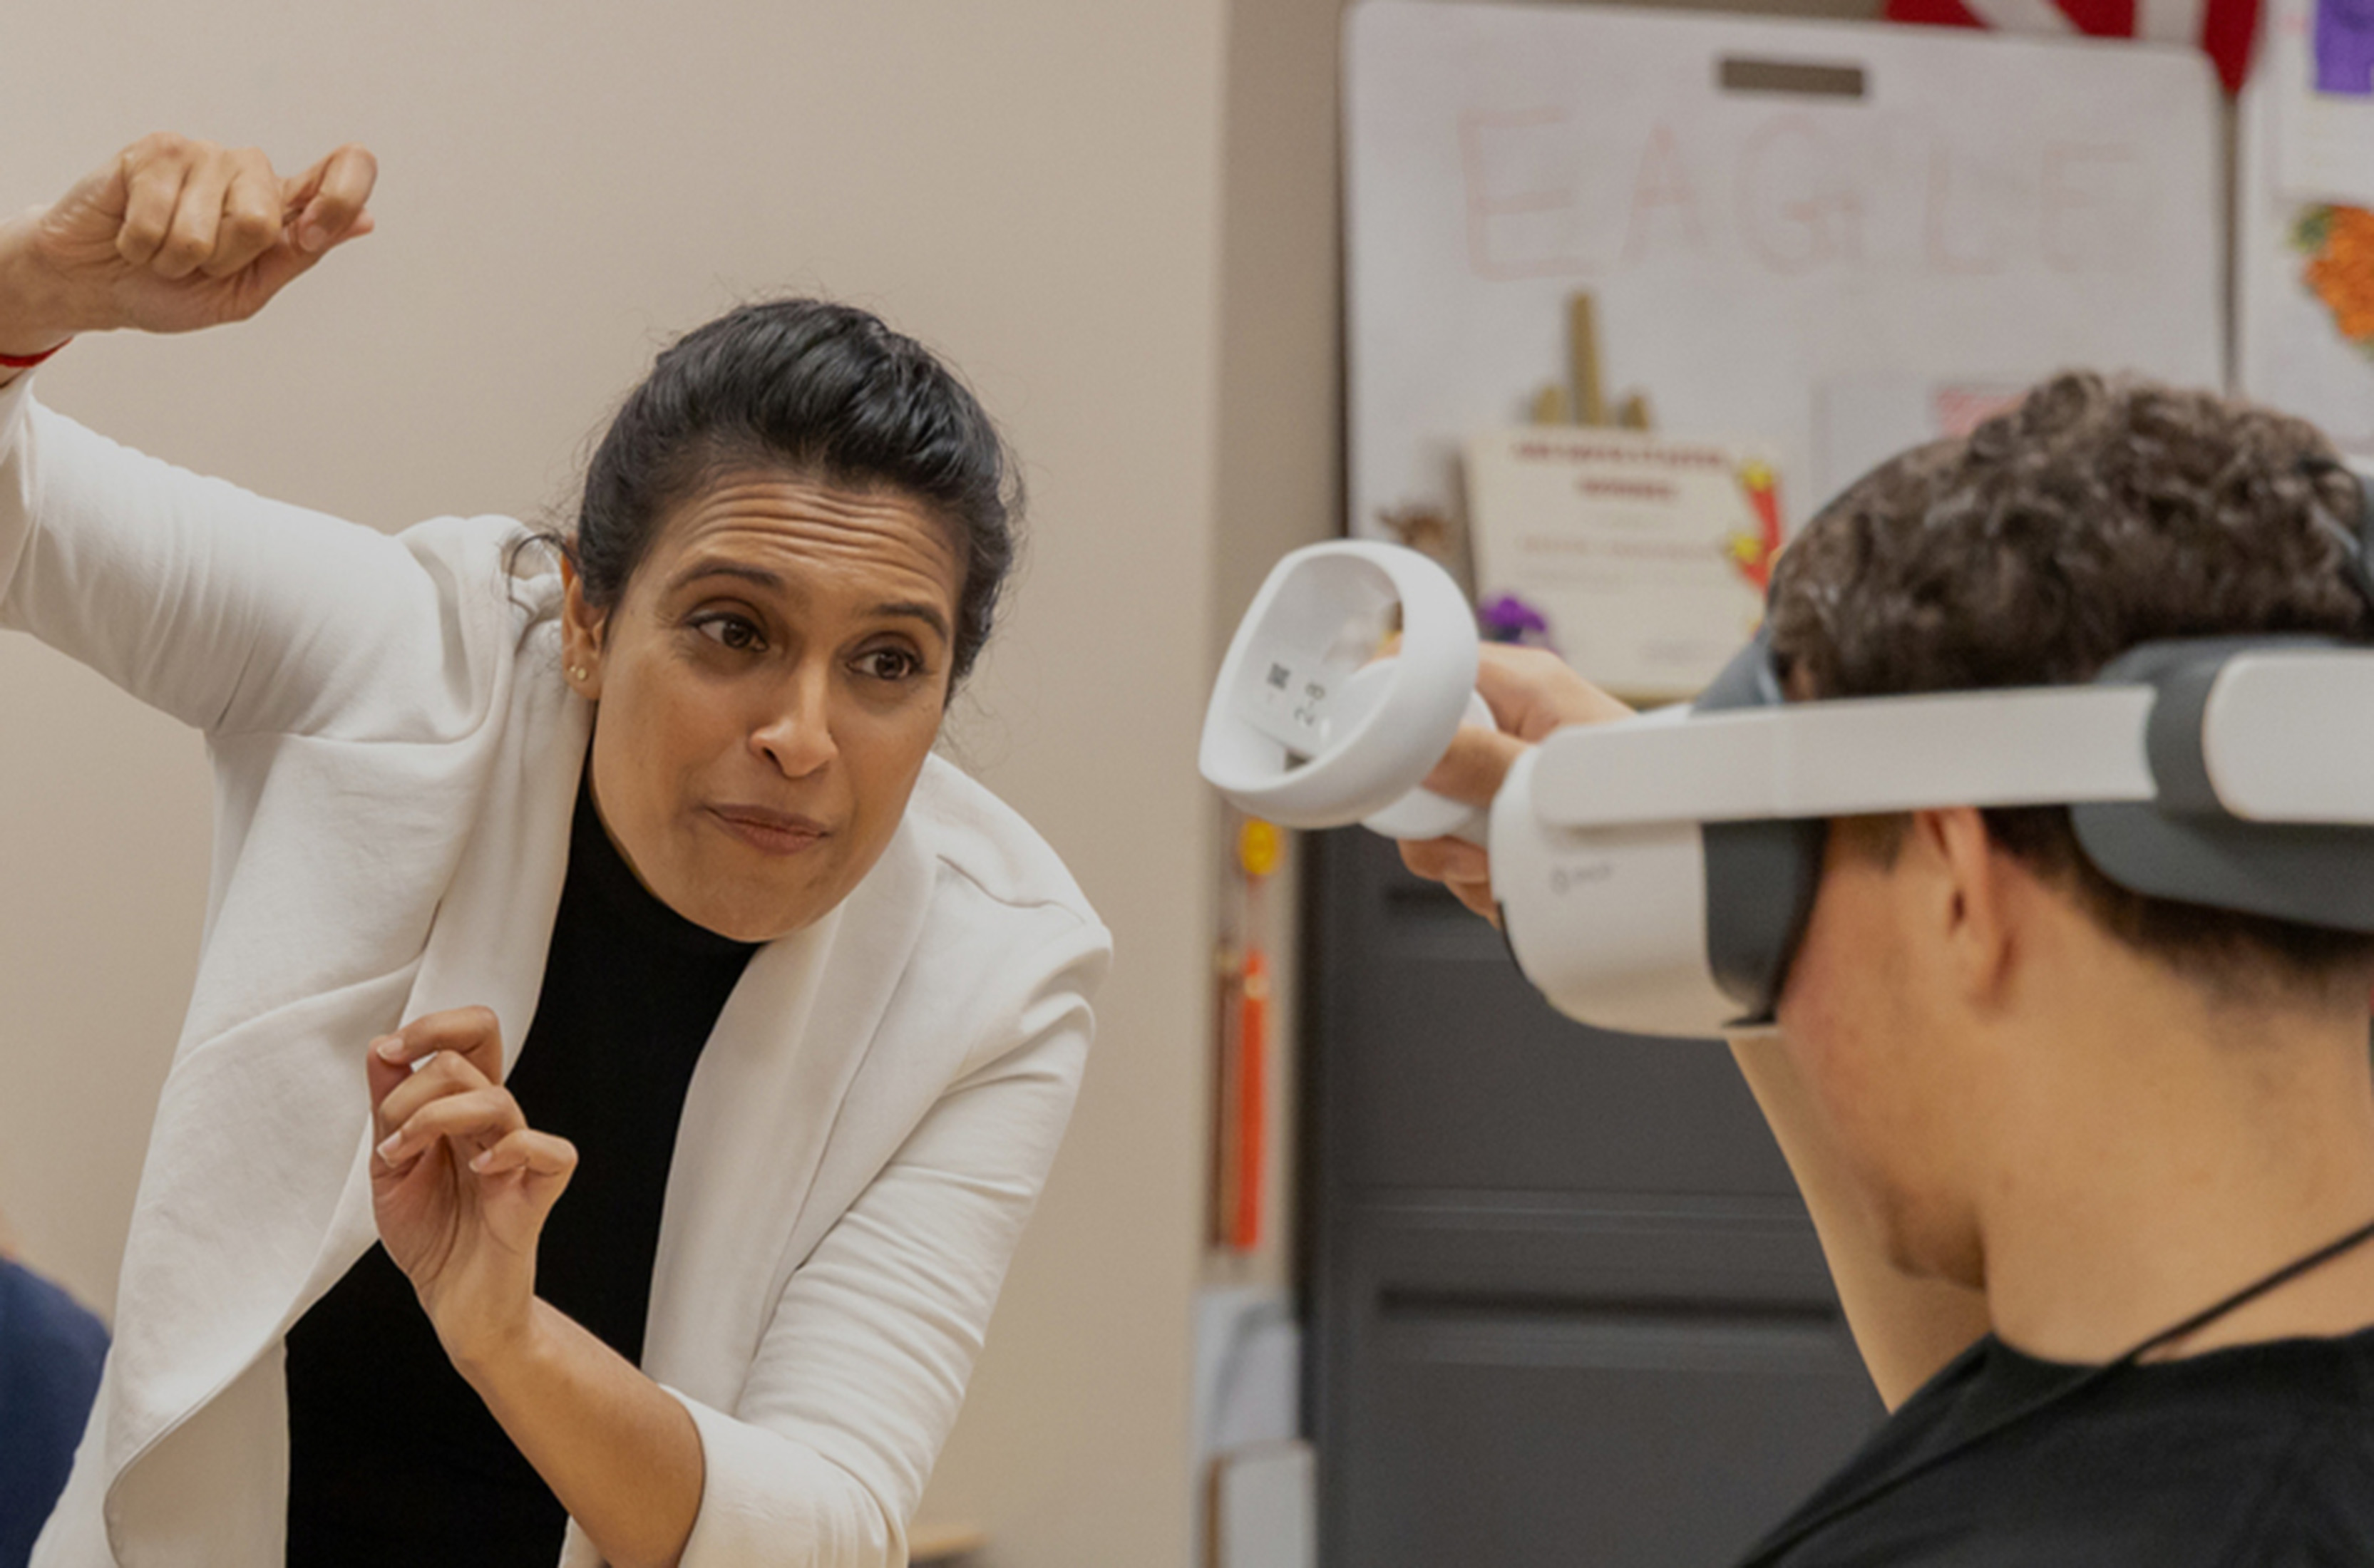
(396, 757)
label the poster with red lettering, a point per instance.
(1829, 239)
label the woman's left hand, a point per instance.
(459, 1183)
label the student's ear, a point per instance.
(1968, 896)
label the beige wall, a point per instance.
(1035, 187)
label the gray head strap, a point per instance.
(2356, 543)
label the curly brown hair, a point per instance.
(2100, 513)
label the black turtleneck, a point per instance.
(392, 1457)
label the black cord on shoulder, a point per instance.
(2250, 1293)
(2067, 1392)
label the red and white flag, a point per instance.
(2223, 28)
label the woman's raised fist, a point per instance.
(171, 235)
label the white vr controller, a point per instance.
(1309, 727)
(1654, 874)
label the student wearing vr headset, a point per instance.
(2094, 1170)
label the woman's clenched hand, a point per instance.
(171, 235)
(459, 1183)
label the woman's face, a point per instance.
(769, 684)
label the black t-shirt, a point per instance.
(2256, 1457)
(393, 1459)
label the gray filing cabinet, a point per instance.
(1565, 1306)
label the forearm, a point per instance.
(35, 315)
(1906, 1327)
(623, 1455)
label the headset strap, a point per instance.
(2357, 544)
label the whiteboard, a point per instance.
(1837, 276)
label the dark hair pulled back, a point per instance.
(823, 390)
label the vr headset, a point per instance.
(1655, 874)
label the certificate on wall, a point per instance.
(1642, 559)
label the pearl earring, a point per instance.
(577, 672)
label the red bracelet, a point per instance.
(25, 362)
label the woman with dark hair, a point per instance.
(622, 866)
